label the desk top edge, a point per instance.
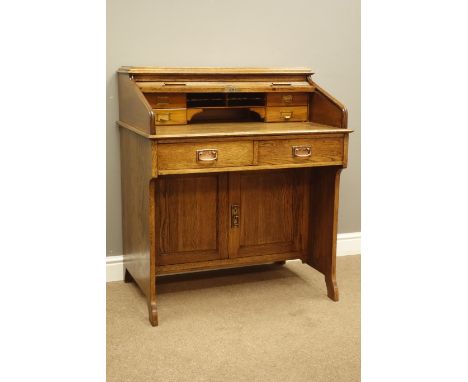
(254, 130)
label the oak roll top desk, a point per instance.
(226, 167)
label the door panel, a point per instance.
(192, 218)
(272, 217)
(266, 200)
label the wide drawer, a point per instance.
(166, 100)
(172, 156)
(286, 114)
(301, 151)
(287, 99)
(170, 116)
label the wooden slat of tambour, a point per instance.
(223, 86)
(212, 70)
(219, 77)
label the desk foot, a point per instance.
(128, 277)
(153, 314)
(332, 288)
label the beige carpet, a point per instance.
(263, 323)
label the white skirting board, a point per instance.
(114, 268)
(348, 244)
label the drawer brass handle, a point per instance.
(164, 117)
(281, 84)
(286, 115)
(301, 151)
(174, 84)
(207, 155)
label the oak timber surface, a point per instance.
(220, 86)
(200, 192)
(212, 70)
(182, 203)
(242, 129)
(271, 211)
(182, 155)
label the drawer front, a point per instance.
(300, 151)
(286, 114)
(173, 156)
(287, 99)
(166, 100)
(170, 116)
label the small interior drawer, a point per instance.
(172, 156)
(299, 151)
(170, 116)
(287, 99)
(286, 114)
(166, 100)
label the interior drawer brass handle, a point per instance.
(164, 117)
(286, 115)
(301, 151)
(207, 155)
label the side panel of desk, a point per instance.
(324, 198)
(138, 212)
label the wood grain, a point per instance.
(237, 130)
(243, 129)
(137, 214)
(247, 137)
(275, 152)
(167, 100)
(345, 150)
(223, 86)
(184, 155)
(247, 168)
(134, 109)
(325, 109)
(224, 77)
(177, 202)
(214, 70)
(191, 226)
(286, 114)
(324, 196)
(170, 116)
(287, 99)
(271, 209)
(226, 263)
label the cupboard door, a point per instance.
(272, 213)
(192, 218)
